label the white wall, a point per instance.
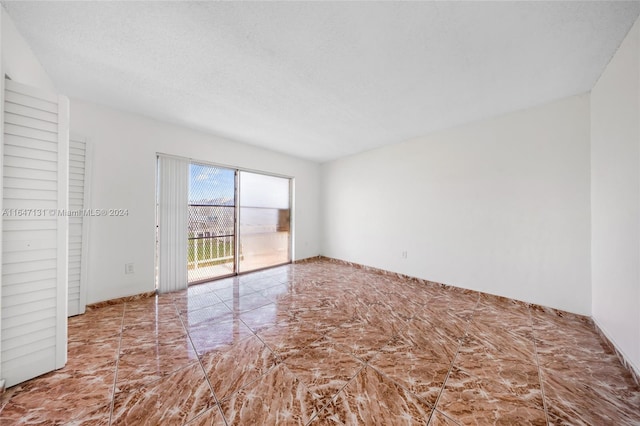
(124, 167)
(615, 198)
(500, 206)
(18, 60)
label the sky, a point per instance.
(256, 190)
(210, 183)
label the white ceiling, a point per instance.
(321, 80)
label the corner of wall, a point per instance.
(615, 200)
(18, 60)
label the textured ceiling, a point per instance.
(321, 80)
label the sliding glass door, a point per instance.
(265, 217)
(211, 245)
(238, 221)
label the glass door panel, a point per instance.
(211, 220)
(265, 218)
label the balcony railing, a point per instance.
(211, 257)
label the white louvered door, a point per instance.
(78, 194)
(34, 235)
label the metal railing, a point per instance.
(209, 251)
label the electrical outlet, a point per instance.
(404, 254)
(128, 268)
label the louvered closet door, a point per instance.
(34, 235)
(78, 172)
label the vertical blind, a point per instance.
(173, 186)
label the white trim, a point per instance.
(63, 231)
(236, 221)
(292, 218)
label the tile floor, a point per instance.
(324, 343)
